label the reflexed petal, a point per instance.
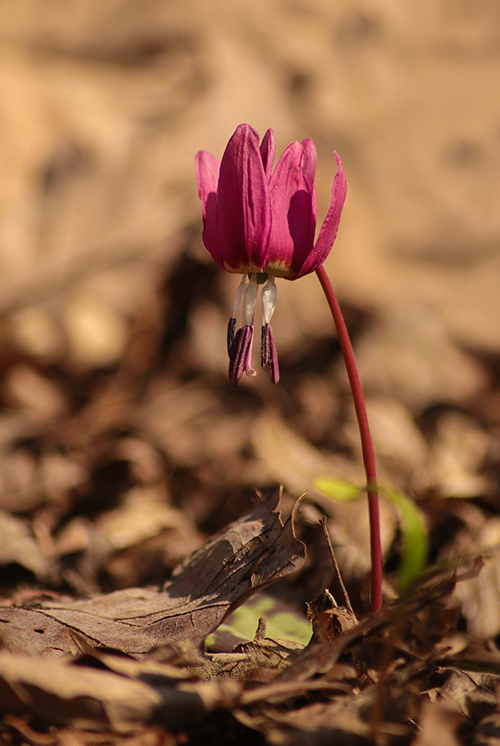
(207, 175)
(243, 206)
(267, 152)
(330, 225)
(293, 205)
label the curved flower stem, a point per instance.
(366, 441)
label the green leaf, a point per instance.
(336, 489)
(282, 622)
(415, 543)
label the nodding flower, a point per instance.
(260, 222)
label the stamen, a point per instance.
(238, 363)
(249, 300)
(248, 363)
(239, 293)
(231, 327)
(269, 294)
(269, 353)
(264, 345)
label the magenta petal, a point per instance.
(330, 225)
(293, 204)
(267, 152)
(207, 175)
(243, 206)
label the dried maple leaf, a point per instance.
(249, 554)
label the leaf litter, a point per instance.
(122, 449)
(249, 554)
(74, 677)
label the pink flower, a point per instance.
(261, 223)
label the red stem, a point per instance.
(366, 440)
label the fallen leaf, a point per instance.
(61, 692)
(19, 546)
(457, 456)
(141, 514)
(479, 597)
(249, 554)
(57, 692)
(438, 722)
(343, 720)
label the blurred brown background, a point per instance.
(113, 314)
(104, 105)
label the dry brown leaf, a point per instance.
(106, 690)
(470, 693)
(19, 546)
(480, 597)
(344, 720)
(341, 719)
(141, 514)
(39, 396)
(19, 479)
(438, 723)
(57, 692)
(456, 457)
(256, 662)
(249, 554)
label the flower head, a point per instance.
(261, 223)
